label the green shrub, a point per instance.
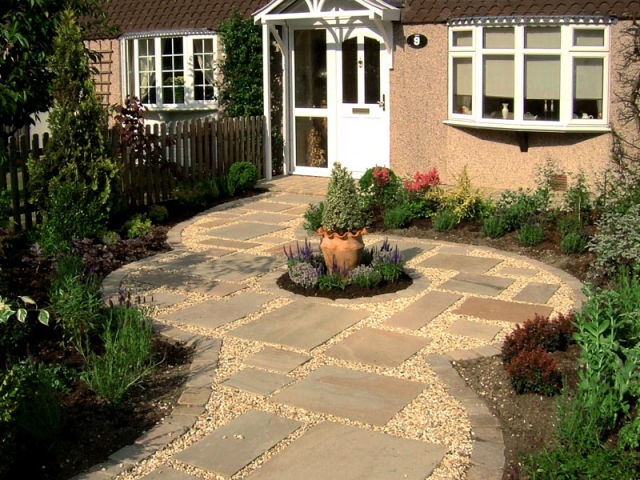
(577, 199)
(303, 274)
(515, 208)
(128, 354)
(571, 223)
(531, 234)
(444, 220)
(138, 227)
(464, 201)
(158, 213)
(388, 262)
(380, 190)
(342, 209)
(493, 227)
(616, 243)
(365, 277)
(398, 216)
(573, 242)
(313, 217)
(242, 176)
(5, 208)
(76, 302)
(335, 279)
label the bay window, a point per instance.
(529, 73)
(170, 70)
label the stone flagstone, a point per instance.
(468, 328)
(216, 222)
(244, 231)
(257, 381)
(518, 272)
(301, 210)
(267, 207)
(160, 277)
(293, 245)
(480, 284)
(461, 263)
(377, 347)
(423, 310)
(409, 250)
(215, 313)
(300, 324)
(536, 292)
(168, 473)
(277, 359)
(163, 299)
(492, 309)
(298, 199)
(237, 267)
(230, 448)
(212, 287)
(356, 395)
(237, 244)
(268, 217)
(343, 452)
(186, 261)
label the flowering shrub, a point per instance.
(550, 335)
(380, 190)
(304, 274)
(365, 276)
(534, 371)
(388, 262)
(422, 181)
(381, 176)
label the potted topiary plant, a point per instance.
(342, 222)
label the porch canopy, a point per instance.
(278, 14)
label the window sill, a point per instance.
(583, 127)
(182, 108)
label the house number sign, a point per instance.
(417, 40)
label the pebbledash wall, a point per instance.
(420, 139)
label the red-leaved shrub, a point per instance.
(381, 176)
(550, 335)
(534, 371)
(422, 181)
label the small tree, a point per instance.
(71, 183)
(240, 70)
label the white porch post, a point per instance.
(266, 91)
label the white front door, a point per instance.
(363, 115)
(339, 95)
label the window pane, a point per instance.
(498, 82)
(371, 70)
(203, 69)
(172, 70)
(147, 70)
(542, 87)
(462, 85)
(499, 38)
(350, 71)
(463, 38)
(311, 142)
(588, 38)
(588, 76)
(310, 68)
(541, 37)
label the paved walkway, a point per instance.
(288, 387)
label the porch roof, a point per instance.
(311, 9)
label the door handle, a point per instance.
(381, 103)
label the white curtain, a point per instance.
(203, 50)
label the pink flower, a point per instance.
(381, 176)
(422, 181)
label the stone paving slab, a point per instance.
(423, 310)
(237, 244)
(300, 324)
(537, 292)
(493, 309)
(298, 211)
(268, 217)
(164, 299)
(408, 249)
(215, 313)
(212, 287)
(230, 448)
(238, 267)
(298, 199)
(257, 381)
(461, 263)
(244, 231)
(468, 328)
(377, 347)
(277, 359)
(518, 272)
(265, 206)
(216, 222)
(361, 396)
(343, 452)
(168, 473)
(293, 245)
(189, 260)
(480, 284)
(160, 277)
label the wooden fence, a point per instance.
(191, 151)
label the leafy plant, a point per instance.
(342, 211)
(242, 176)
(380, 189)
(444, 220)
(128, 354)
(364, 276)
(388, 261)
(139, 226)
(304, 274)
(534, 371)
(493, 227)
(398, 216)
(422, 182)
(530, 234)
(577, 199)
(336, 279)
(573, 242)
(464, 201)
(313, 217)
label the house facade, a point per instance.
(503, 88)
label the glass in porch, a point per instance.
(310, 68)
(311, 142)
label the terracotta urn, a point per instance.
(345, 249)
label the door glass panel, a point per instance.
(371, 70)
(350, 71)
(310, 69)
(311, 142)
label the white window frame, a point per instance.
(567, 52)
(131, 69)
